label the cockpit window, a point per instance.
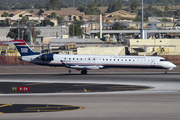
(163, 60)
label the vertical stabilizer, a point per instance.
(22, 47)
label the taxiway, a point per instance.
(159, 102)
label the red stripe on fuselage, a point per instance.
(90, 64)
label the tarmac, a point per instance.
(101, 94)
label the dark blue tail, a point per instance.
(23, 48)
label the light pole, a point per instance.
(22, 33)
(30, 33)
(18, 30)
(61, 29)
(31, 42)
(73, 28)
(73, 21)
(142, 36)
(162, 19)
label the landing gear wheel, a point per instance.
(165, 72)
(84, 72)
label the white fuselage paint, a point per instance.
(102, 61)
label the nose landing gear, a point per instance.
(69, 70)
(165, 72)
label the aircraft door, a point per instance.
(152, 62)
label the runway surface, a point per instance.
(162, 101)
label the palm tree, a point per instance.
(5, 14)
(178, 13)
(53, 15)
(166, 8)
(172, 3)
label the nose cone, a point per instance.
(174, 66)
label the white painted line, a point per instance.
(94, 93)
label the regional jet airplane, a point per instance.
(90, 62)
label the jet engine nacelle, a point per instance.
(47, 57)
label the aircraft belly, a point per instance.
(85, 67)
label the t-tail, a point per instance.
(22, 47)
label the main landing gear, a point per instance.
(165, 72)
(83, 72)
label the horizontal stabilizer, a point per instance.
(13, 42)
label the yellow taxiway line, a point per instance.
(5, 105)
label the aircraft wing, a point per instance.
(81, 67)
(85, 67)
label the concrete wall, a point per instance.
(159, 24)
(45, 32)
(52, 31)
(169, 45)
(101, 50)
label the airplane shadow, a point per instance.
(76, 74)
(89, 74)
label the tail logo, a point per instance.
(24, 50)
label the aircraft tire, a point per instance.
(83, 72)
(69, 70)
